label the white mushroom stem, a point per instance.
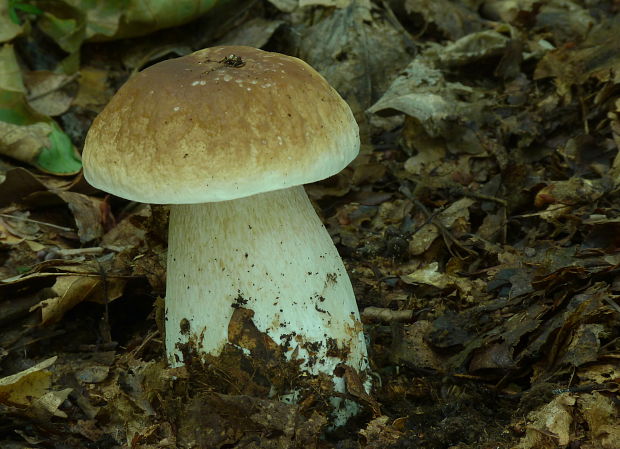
(271, 254)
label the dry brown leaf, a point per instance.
(573, 191)
(356, 387)
(410, 346)
(430, 275)
(88, 214)
(6, 235)
(24, 143)
(358, 49)
(72, 290)
(423, 239)
(23, 388)
(472, 48)
(599, 373)
(51, 400)
(255, 33)
(454, 217)
(550, 426)
(10, 72)
(19, 224)
(379, 434)
(596, 57)
(127, 420)
(422, 92)
(48, 92)
(218, 420)
(602, 417)
(19, 184)
(93, 90)
(454, 19)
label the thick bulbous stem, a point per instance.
(271, 254)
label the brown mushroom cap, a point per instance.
(212, 127)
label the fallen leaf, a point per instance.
(358, 49)
(438, 105)
(602, 417)
(10, 73)
(93, 91)
(552, 421)
(72, 290)
(8, 29)
(51, 400)
(472, 48)
(454, 19)
(88, 214)
(25, 387)
(49, 93)
(597, 57)
(378, 434)
(409, 347)
(24, 143)
(255, 33)
(356, 388)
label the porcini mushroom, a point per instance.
(228, 136)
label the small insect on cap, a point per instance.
(219, 124)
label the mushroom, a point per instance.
(228, 136)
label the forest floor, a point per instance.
(479, 225)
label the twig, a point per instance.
(386, 315)
(29, 220)
(480, 196)
(147, 339)
(67, 273)
(537, 214)
(80, 251)
(104, 324)
(445, 232)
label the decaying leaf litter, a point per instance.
(479, 227)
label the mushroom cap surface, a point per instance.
(211, 126)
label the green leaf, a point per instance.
(29, 9)
(14, 109)
(9, 22)
(60, 158)
(68, 33)
(13, 16)
(69, 65)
